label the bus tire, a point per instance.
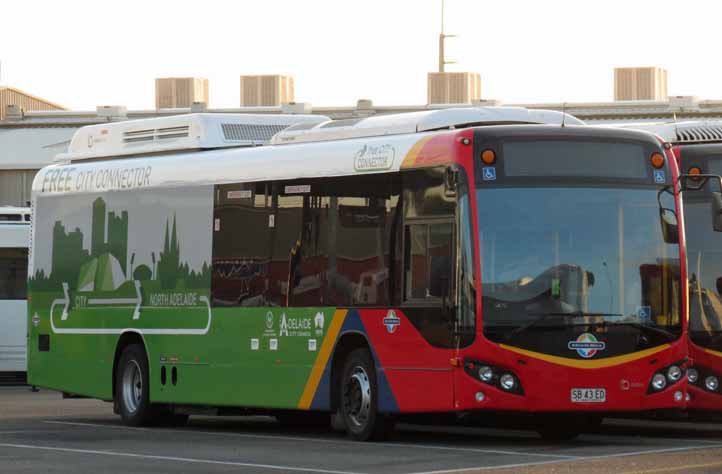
(132, 388)
(359, 399)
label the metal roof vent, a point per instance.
(425, 121)
(698, 132)
(240, 132)
(179, 133)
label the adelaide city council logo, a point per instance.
(586, 345)
(391, 321)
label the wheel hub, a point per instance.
(132, 386)
(357, 396)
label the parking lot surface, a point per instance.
(41, 432)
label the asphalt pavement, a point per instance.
(41, 432)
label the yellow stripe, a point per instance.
(321, 359)
(588, 364)
(714, 353)
(410, 158)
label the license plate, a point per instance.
(589, 395)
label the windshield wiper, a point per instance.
(545, 316)
(670, 336)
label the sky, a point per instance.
(81, 54)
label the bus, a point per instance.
(14, 241)
(697, 146)
(502, 260)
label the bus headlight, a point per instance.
(674, 373)
(659, 381)
(497, 377)
(507, 382)
(711, 383)
(692, 375)
(486, 373)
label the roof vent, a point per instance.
(178, 133)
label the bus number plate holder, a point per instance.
(588, 395)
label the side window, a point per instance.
(241, 245)
(429, 248)
(13, 273)
(429, 216)
(290, 227)
(344, 256)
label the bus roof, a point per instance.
(416, 122)
(178, 133)
(293, 161)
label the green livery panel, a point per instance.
(141, 263)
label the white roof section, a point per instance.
(224, 165)
(32, 148)
(14, 233)
(697, 131)
(415, 122)
(199, 131)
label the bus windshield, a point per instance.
(704, 257)
(559, 257)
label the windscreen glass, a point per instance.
(562, 261)
(704, 260)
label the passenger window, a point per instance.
(344, 256)
(13, 273)
(241, 245)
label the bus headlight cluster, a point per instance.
(498, 377)
(704, 378)
(667, 376)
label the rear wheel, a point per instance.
(359, 399)
(132, 390)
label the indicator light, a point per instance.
(678, 396)
(692, 375)
(480, 396)
(695, 171)
(488, 156)
(657, 160)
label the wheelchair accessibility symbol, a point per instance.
(488, 173)
(659, 177)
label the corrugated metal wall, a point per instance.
(12, 97)
(15, 187)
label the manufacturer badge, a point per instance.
(391, 321)
(36, 320)
(586, 345)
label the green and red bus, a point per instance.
(476, 259)
(697, 146)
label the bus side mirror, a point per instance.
(670, 230)
(717, 212)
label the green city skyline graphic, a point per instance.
(105, 266)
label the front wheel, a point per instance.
(359, 399)
(132, 390)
